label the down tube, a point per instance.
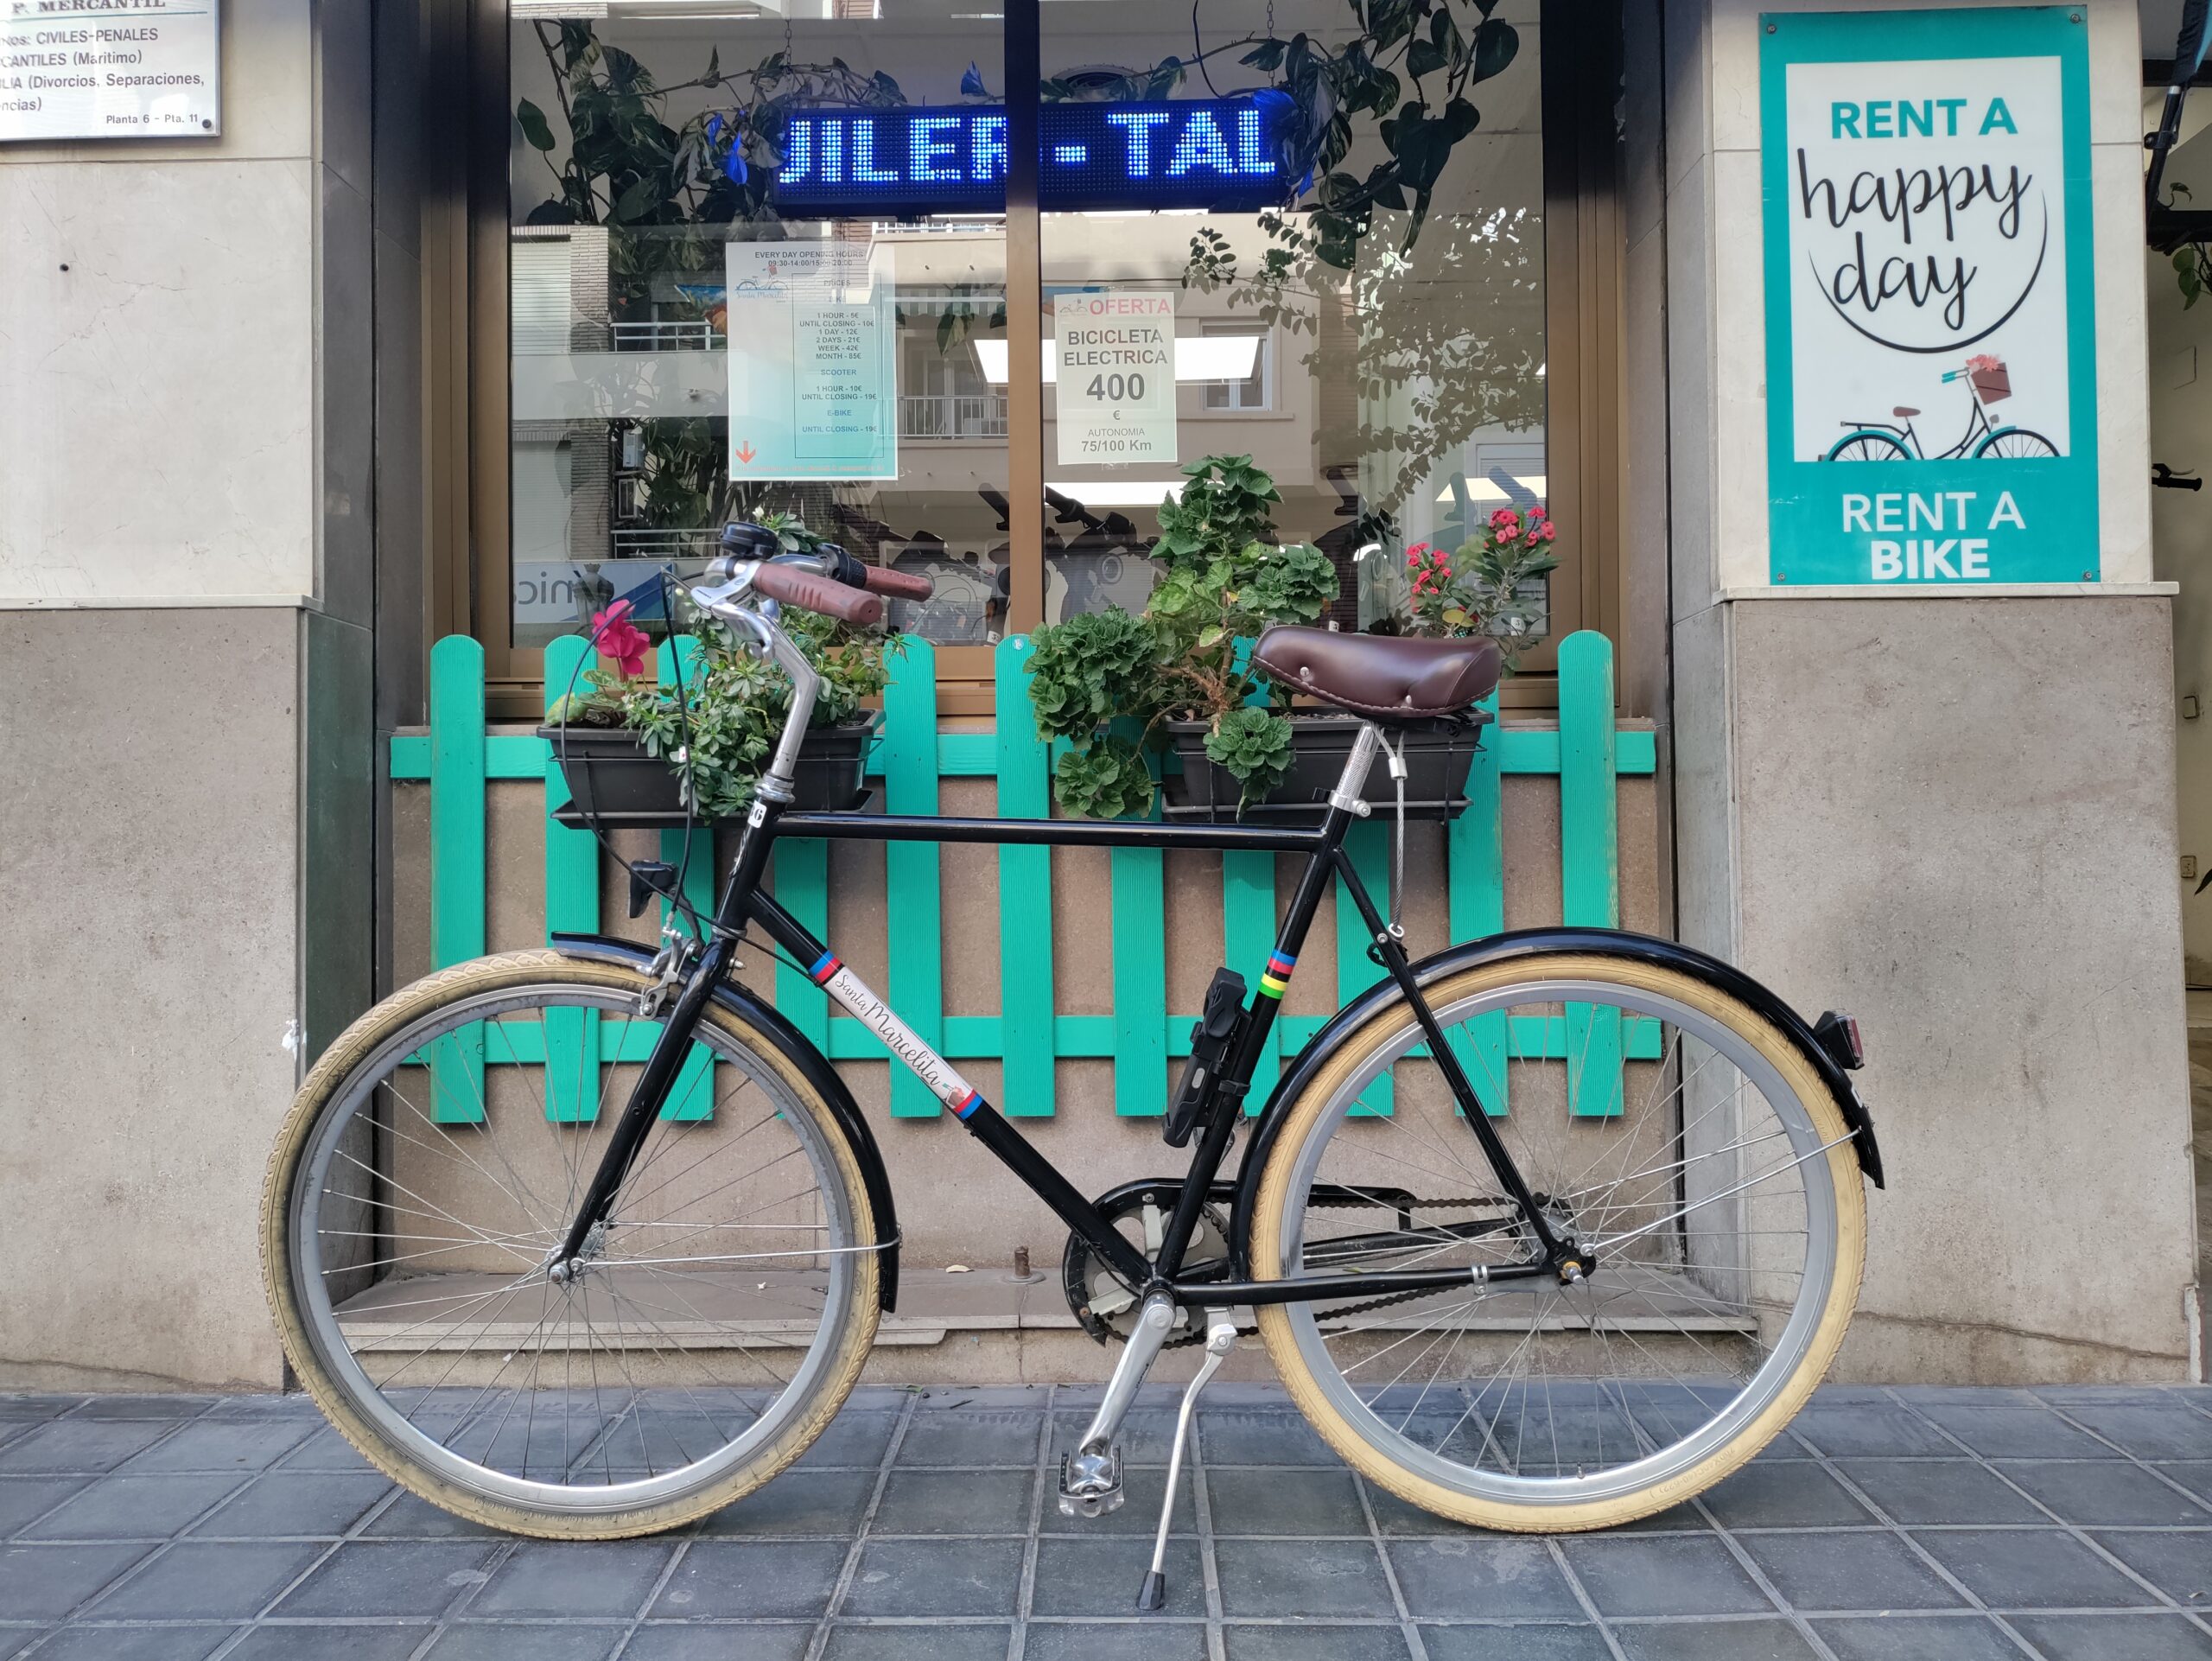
(827, 971)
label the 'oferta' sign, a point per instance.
(1930, 334)
(109, 69)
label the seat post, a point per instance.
(1357, 765)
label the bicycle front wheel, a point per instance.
(418, 1192)
(1684, 1143)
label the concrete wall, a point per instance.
(190, 585)
(1952, 817)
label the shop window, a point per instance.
(781, 264)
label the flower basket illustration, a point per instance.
(1991, 381)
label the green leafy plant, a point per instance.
(719, 728)
(1098, 676)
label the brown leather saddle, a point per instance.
(1383, 676)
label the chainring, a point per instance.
(1103, 1304)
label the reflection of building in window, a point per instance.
(1254, 391)
(942, 391)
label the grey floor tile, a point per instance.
(1101, 1577)
(944, 1398)
(852, 1439)
(207, 1582)
(24, 1498)
(1833, 1571)
(1546, 1643)
(1317, 1580)
(122, 1405)
(2104, 1492)
(1235, 1436)
(966, 1643)
(2031, 1568)
(1958, 1395)
(296, 1503)
(2152, 1431)
(598, 1580)
(971, 1438)
(799, 1502)
(522, 1641)
(936, 1577)
(222, 1445)
(1393, 1516)
(324, 1449)
(81, 1445)
(124, 1507)
(721, 1643)
(1140, 1512)
(1867, 1432)
(370, 1578)
(2177, 1561)
(1789, 1494)
(1716, 1640)
(755, 1580)
(1661, 1575)
(37, 1407)
(1482, 1577)
(1914, 1490)
(412, 1516)
(45, 1582)
(955, 1502)
(174, 1643)
(1314, 1642)
(1251, 1501)
(1917, 1637)
(2117, 1638)
(1128, 1640)
(2194, 1474)
(335, 1642)
(2010, 1432)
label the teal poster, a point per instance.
(1931, 317)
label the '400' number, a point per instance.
(1115, 389)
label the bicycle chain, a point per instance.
(1383, 1302)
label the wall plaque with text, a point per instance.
(73, 69)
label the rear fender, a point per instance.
(1529, 942)
(812, 1065)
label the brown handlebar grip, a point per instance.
(795, 587)
(904, 585)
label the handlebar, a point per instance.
(904, 585)
(792, 586)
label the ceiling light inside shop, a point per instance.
(1493, 492)
(1209, 357)
(1119, 492)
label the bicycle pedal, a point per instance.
(1090, 1483)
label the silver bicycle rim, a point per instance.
(625, 1433)
(1699, 1411)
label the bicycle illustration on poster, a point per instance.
(1929, 296)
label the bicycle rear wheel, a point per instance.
(427, 1171)
(1680, 1140)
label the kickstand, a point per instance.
(1221, 1338)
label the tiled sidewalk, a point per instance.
(1912, 1524)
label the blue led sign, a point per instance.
(1216, 153)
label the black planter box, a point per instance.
(614, 783)
(1438, 758)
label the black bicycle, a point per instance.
(1545, 1231)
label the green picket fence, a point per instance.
(459, 758)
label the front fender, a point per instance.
(1529, 943)
(813, 1065)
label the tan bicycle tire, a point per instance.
(508, 972)
(1275, 1320)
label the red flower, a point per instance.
(620, 641)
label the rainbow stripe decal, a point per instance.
(824, 966)
(975, 1100)
(1276, 981)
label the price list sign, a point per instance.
(1114, 366)
(73, 69)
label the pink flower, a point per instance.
(1549, 530)
(620, 641)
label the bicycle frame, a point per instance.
(744, 904)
